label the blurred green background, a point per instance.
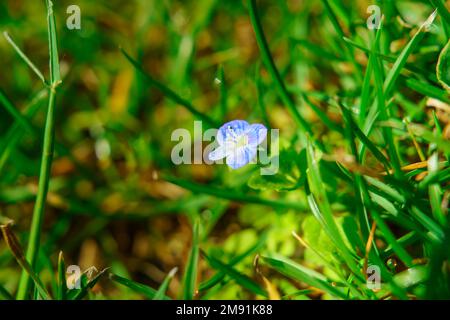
(110, 204)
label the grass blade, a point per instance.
(443, 67)
(348, 49)
(161, 293)
(385, 231)
(14, 112)
(320, 205)
(272, 69)
(62, 284)
(81, 293)
(428, 90)
(436, 192)
(55, 75)
(408, 66)
(15, 132)
(323, 116)
(260, 93)
(220, 275)
(394, 72)
(169, 93)
(47, 156)
(24, 57)
(223, 92)
(364, 139)
(190, 274)
(140, 288)
(300, 273)
(317, 50)
(232, 195)
(237, 276)
(444, 13)
(16, 250)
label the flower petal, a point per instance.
(240, 157)
(218, 154)
(256, 134)
(237, 127)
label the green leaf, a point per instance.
(220, 275)
(443, 67)
(140, 288)
(53, 45)
(190, 274)
(286, 177)
(429, 90)
(233, 195)
(320, 206)
(22, 120)
(337, 27)
(46, 156)
(24, 57)
(317, 50)
(318, 240)
(411, 277)
(323, 116)
(86, 285)
(444, 13)
(15, 133)
(278, 182)
(62, 285)
(394, 72)
(237, 276)
(436, 192)
(223, 92)
(300, 273)
(17, 251)
(160, 294)
(408, 66)
(364, 139)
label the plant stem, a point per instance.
(39, 207)
(46, 159)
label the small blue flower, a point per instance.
(238, 142)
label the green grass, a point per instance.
(47, 155)
(364, 151)
(190, 273)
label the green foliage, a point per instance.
(443, 67)
(146, 291)
(364, 168)
(190, 273)
(286, 178)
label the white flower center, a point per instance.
(237, 141)
(242, 141)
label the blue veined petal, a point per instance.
(240, 157)
(231, 129)
(256, 134)
(218, 154)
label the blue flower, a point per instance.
(238, 142)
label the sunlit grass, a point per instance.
(364, 160)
